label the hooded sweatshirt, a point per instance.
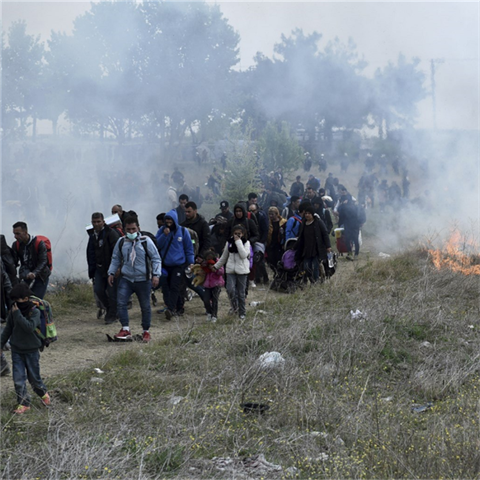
(249, 224)
(176, 248)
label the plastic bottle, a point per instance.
(256, 304)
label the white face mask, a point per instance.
(132, 236)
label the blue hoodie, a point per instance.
(180, 251)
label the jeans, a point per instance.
(351, 239)
(236, 287)
(210, 300)
(125, 291)
(312, 267)
(27, 366)
(39, 287)
(106, 294)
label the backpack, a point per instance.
(47, 330)
(148, 260)
(195, 241)
(48, 246)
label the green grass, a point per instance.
(340, 407)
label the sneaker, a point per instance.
(242, 317)
(162, 310)
(46, 400)
(123, 335)
(146, 337)
(100, 313)
(168, 314)
(209, 317)
(252, 284)
(21, 409)
(213, 319)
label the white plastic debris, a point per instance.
(262, 312)
(387, 399)
(471, 326)
(96, 380)
(357, 315)
(97, 370)
(256, 304)
(176, 400)
(426, 344)
(384, 255)
(271, 359)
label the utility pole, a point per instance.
(433, 61)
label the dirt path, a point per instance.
(83, 342)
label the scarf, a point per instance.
(232, 247)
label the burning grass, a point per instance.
(340, 407)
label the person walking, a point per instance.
(140, 267)
(236, 258)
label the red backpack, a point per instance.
(48, 246)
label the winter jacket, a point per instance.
(321, 237)
(214, 279)
(200, 226)
(32, 261)
(139, 267)
(237, 263)
(176, 248)
(293, 227)
(248, 223)
(281, 232)
(21, 331)
(9, 261)
(100, 250)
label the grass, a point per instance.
(340, 407)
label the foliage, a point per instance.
(278, 148)
(242, 166)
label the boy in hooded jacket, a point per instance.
(25, 344)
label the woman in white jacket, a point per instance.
(236, 256)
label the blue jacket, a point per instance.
(139, 270)
(293, 226)
(176, 248)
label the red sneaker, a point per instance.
(46, 400)
(146, 337)
(21, 409)
(123, 335)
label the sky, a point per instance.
(447, 32)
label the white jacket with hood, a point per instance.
(236, 263)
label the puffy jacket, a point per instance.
(237, 263)
(138, 269)
(214, 279)
(176, 248)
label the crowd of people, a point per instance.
(252, 243)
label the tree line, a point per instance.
(164, 71)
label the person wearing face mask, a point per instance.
(25, 346)
(140, 268)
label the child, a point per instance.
(236, 255)
(22, 321)
(212, 284)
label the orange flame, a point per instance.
(453, 255)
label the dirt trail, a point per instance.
(82, 337)
(83, 342)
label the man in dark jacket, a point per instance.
(32, 255)
(240, 217)
(123, 214)
(313, 244)
(99, 256)
(198, 224)
(297, 188)
(348, 218)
